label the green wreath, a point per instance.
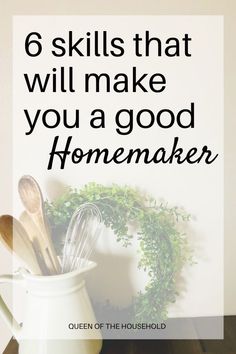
(163, 248)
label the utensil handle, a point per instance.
(4, 310)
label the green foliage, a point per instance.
(163, 248)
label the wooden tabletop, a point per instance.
(136, 347)
(12, 348)
(150, 347)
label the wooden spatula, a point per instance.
(35, 236)
(32, 199)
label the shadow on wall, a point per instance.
(117, 280)
(55, 188)
(111, 282)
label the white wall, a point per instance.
(133, 7)
(197, 189)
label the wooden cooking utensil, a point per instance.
(32, 199)
(35, 236)
(15, 238)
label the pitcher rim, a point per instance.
(39, 277)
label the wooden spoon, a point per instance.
(32, 199)
(15, 238)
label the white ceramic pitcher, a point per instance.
(53, 305)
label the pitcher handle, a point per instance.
(6, 314)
